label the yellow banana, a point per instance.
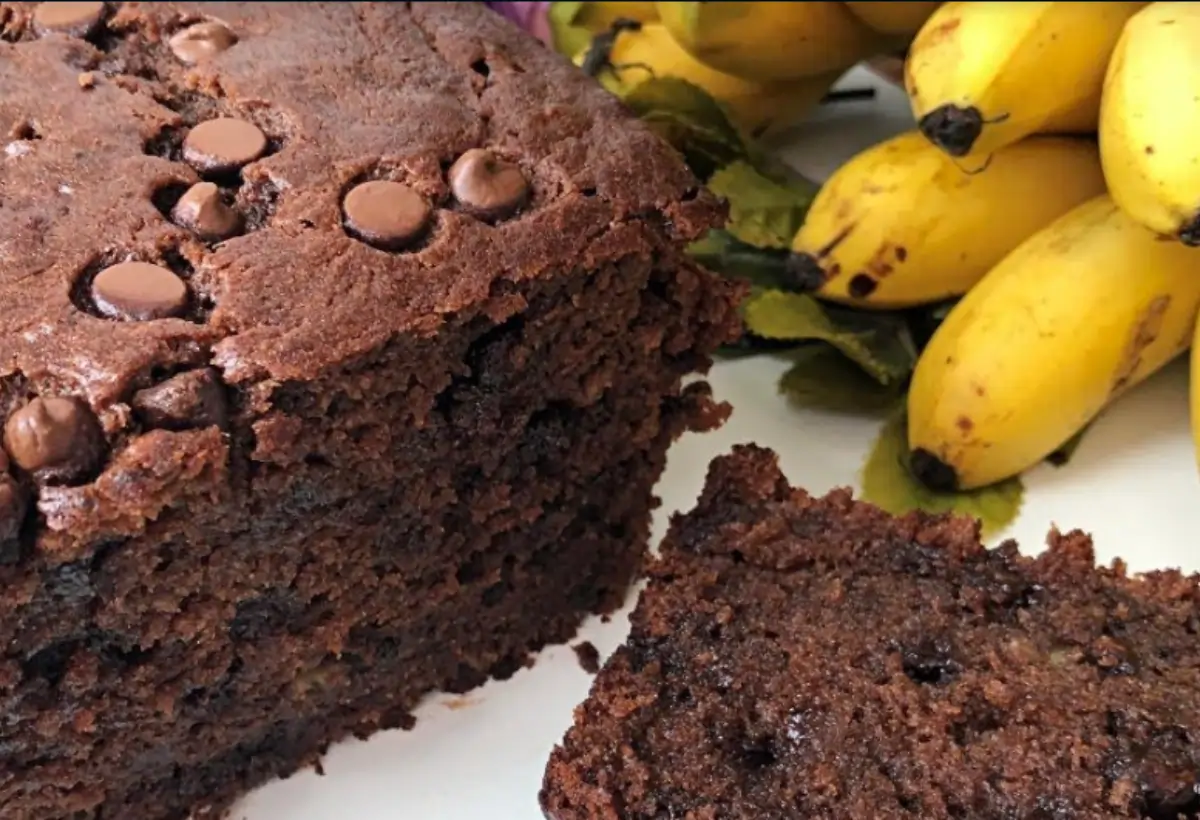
(599, 17)
(1078, 314)
(1194, 385)
(770, 42)
(759, 109)
(902, 225)
(893, 17)
(983, 75)
(1148, 119)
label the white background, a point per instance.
(1133, 484)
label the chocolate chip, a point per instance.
(203, 211)
(54, 438)
(487, 186)
(139, 291)
(71, 19)
(384, 214)
(188, 400)
(223, 145)
(201, 41)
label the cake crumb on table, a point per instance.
(588, 656)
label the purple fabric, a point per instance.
(533, 17)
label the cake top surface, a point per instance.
(274, 188)
(803, 657)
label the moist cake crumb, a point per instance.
(794, 656)
(588, 657)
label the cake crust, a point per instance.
(813, 657)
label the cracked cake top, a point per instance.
(228, 180)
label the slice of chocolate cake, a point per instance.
(795, 657)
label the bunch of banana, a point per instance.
(769, 64)
(902, 225)
(983, 75)
(1151, 101)
(1079, 313)
(783, 42)
(637, 53)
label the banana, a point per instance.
(902, 225)
(770, 42)
(983, 75)
(1151, 94)
(1194, 385)
(600, 16)
(758, 109)
(897, 17)
(1077, 315)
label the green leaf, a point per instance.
(569, 37)
(879, 343)
(821, 378)
(689, 119)
(762, 212)
(887, 483)
(1061, 456)
(721, 252)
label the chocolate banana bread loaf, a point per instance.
(340, 347)
(796, 657)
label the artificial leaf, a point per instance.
(570, 38)
(763, 212)
(689, 119)
(723, 253)
(879, 343)
(821, 378)
(887, 483)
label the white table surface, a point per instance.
(1133, 484)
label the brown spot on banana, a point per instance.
(1145, 331)
(838, 239)
(861, 286)
(964, 424)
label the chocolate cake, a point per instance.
(341, 347)
(797, 657)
